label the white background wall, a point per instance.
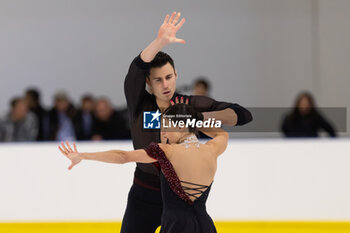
(334, 54)
(255, 180)
(259, 53)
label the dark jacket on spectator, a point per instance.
(84, 124)
(54, 124)
(114, 128)
(297, 125)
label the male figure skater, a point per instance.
(144, 207)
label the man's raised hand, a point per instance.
(167, 31)
(166, 35)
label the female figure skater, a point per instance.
(187, 170)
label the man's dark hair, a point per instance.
(182, 112)
(34, 94)
(202, 81)
(160, 60)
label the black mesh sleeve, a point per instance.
(135, 83)
(207, 104)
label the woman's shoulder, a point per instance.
(218, 144)
(167, 149)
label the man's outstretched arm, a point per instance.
(227, 116)
(229, 113)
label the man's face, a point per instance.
(163, 82)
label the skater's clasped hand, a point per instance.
(181, 101)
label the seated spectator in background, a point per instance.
(201, 86)
(305, 120)
(84, 120)
(32, 97)
(109, 124)
(61, 119)
(19, 125)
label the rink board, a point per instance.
(265, 186)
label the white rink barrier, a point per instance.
(256, 180)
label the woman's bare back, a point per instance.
(195, 166)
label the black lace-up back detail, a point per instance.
(198, 188)
(154, 151)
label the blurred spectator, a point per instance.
(84, 120)
(19, 124)
(305, 120)
(61, 118)
(109, 123)
(201, 87)
(32, 97)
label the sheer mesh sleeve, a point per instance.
(135, 83)
(207, 104)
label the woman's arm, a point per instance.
(112, 156)
(220, 139)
